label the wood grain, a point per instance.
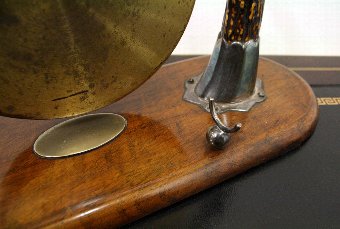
(160, 159)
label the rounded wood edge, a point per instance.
(313, 114)
(186, 61)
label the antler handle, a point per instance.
(242, 20)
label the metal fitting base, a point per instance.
(244, 105)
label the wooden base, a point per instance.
(160, 159)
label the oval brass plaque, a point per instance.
(79, 135)
(61, 58)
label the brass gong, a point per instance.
(61, 58)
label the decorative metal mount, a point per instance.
(245, 105)
(228, 84)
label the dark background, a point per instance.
(298, 190)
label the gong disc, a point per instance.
(61, 58)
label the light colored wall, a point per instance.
(289, 27)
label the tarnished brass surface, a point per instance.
(79, 135)
(62, 58)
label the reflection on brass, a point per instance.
(62, 58)
(79, 135)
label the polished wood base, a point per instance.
(161, 158)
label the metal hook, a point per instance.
(219, 135)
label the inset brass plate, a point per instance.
(79, 135)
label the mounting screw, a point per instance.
(261, 94)
(191, 81)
